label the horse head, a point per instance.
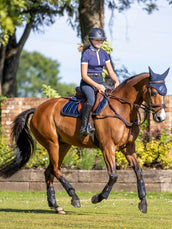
(156, 91)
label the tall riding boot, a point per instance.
(85, 129)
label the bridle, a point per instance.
(152, 106)
(147, 108)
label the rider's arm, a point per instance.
(112, 73)
(87, 79)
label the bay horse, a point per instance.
(116, 127)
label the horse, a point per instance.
(116, 127)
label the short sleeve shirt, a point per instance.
(96, 59)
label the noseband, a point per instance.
(147, 108)
(152, 106)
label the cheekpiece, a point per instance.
(157, 81)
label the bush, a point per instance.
(154, 150)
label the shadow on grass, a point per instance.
(37, 211)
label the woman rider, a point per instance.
(92, 62)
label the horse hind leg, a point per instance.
(53, 170)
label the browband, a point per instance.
(160, 81)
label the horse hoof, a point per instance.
(76, 203)
(60, 210)
(95, 199)
(143, 206)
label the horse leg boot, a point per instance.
(51, 193)
(84, 131)
(71, 192)
(141, 190)
(107, 189)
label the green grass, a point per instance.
(29, 210)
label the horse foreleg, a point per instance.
(107, 189)
(63, 149)
(109, 157)
(132, 159)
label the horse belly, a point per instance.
(68, 129)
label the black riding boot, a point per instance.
(85, 128)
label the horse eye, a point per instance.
(154, 93)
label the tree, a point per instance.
(91, 12)
(36, 70)
(31, 14)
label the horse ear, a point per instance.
(150, 71)
(165, 73)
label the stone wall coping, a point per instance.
(88, 180)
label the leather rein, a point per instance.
(144, 107)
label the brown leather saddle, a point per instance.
(98, 98)
(76, 103)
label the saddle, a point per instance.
(76, 103)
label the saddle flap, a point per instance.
(98, 99)
(75, 105)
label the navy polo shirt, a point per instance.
(96, 59)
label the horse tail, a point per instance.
(24, 145)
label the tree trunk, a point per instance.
(2, 60)
(10, 68)
(91, 15)
(10, 56)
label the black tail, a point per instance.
(24, 145)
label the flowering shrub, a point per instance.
(154, 149)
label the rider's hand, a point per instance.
(101, 88)
(116, 84)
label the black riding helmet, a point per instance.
(97, 33)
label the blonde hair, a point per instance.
(83, 46)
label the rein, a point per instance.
(144, 107)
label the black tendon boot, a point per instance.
(85, 128)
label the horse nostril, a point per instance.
(157, 118)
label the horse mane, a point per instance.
(135, 76)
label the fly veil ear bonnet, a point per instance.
(157, 81)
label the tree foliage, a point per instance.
(31, 15)
(35, 70)
(34, 14)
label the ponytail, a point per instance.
(82, 47)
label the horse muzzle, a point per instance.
(159, 116)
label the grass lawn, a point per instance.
(29, 210)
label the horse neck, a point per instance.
(132, 89)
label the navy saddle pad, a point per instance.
(71, 107)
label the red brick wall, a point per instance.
(13, 106)
(167, 124)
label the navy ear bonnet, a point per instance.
(158, 81)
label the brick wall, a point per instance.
(13, 106)
(167, 124)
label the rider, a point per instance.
(92, 62)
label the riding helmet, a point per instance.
(97, 33)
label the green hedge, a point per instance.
(154, 150)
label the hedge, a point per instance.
(154, 150)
